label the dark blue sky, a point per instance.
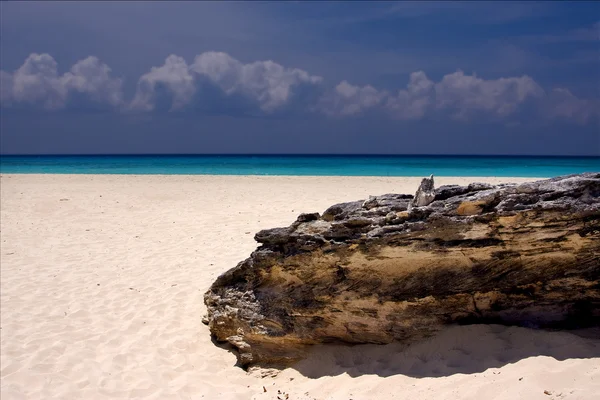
(300, 77)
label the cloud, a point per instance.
(92, 78)
(413, 102)
(266, 84)
(38, 83)
(217, 83)
(562, 104)
(462, 95)
(466, 95)
(347, 99)
(174, 76)
(410, 103)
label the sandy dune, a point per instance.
(102, 279)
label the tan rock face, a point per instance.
(470, 207)
(373, 272)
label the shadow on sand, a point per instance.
(456, 350)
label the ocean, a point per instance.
(323, 165)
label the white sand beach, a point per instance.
(102, 283)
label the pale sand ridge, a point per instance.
(101, 296)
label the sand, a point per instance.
(102, 283)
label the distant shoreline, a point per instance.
(503, 179)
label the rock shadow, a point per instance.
(466, 349)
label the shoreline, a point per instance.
(443, 177)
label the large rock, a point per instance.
(373, 272)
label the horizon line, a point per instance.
(288, 155)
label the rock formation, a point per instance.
(375, 272)
(425, 194)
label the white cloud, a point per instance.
(266, 83)
(468, 94)
(176, 78)
(562, 104)
(271, 87)
(461, 94)
(269, 83)
(37, 82)
(91, 77)
(221, 68)
(413, 102)
(347, 99)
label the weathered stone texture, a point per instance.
(386, 269)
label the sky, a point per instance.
(511, 78)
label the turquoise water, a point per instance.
(302, 165)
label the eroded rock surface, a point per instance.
(373, 271)
(425, 194)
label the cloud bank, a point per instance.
(216, 81)
(37, 83)
(265, 84)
